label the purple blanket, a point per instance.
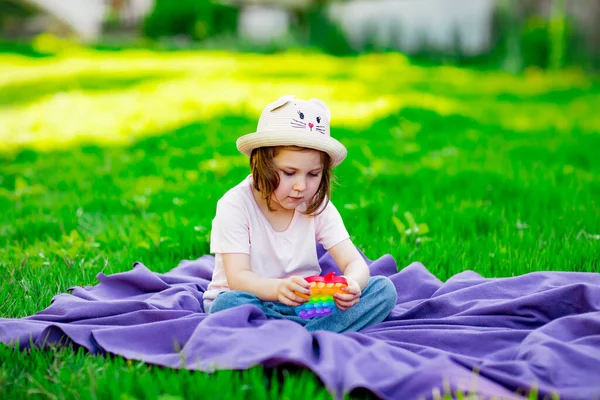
(537, 330)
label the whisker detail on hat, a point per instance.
(298, 121)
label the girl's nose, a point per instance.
(300, 185)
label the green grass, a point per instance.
(111, 158)
(63, 373)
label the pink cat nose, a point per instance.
(310, 124)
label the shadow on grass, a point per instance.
(18, 94)
(560, 96)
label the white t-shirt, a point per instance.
(240, 226)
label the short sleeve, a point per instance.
(329, 227)
(230, 229)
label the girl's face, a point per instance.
(300, 174)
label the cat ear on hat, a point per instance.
(280, 102)
(322, 105)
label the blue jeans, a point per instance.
(376, 303)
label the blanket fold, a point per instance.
(494, 337)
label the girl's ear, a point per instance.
(320, 104)
(280, 102)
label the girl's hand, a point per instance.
(287, 288)
(352, 296)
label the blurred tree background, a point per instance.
(547, 34)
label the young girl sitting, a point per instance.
(265, 230)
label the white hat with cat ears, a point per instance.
(294, 122)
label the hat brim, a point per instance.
(336, 150)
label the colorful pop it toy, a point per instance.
(321, 301)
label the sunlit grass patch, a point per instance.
(55, 103)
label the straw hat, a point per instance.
(294, 122)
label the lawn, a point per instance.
(110, 158)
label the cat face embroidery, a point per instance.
(308, 122)
(310, 116)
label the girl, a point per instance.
(265, 230)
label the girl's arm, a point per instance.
(240, 277)
(351, 263)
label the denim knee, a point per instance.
(230, 299)
(384, 291)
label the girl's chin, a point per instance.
(290, 204)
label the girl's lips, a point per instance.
(295, 198)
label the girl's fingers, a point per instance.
(351, 289)
(294, 286)
(297, 279)
(289, 294)
(302, 289)
(346, 304)
(301, 282)
(288, 299)
(345, 297)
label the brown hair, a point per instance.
(266, 177)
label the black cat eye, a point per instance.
(301, 114)
(318, 120)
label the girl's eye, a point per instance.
(318, 120)
(288, 173)
(301, 114)
(314, 175)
